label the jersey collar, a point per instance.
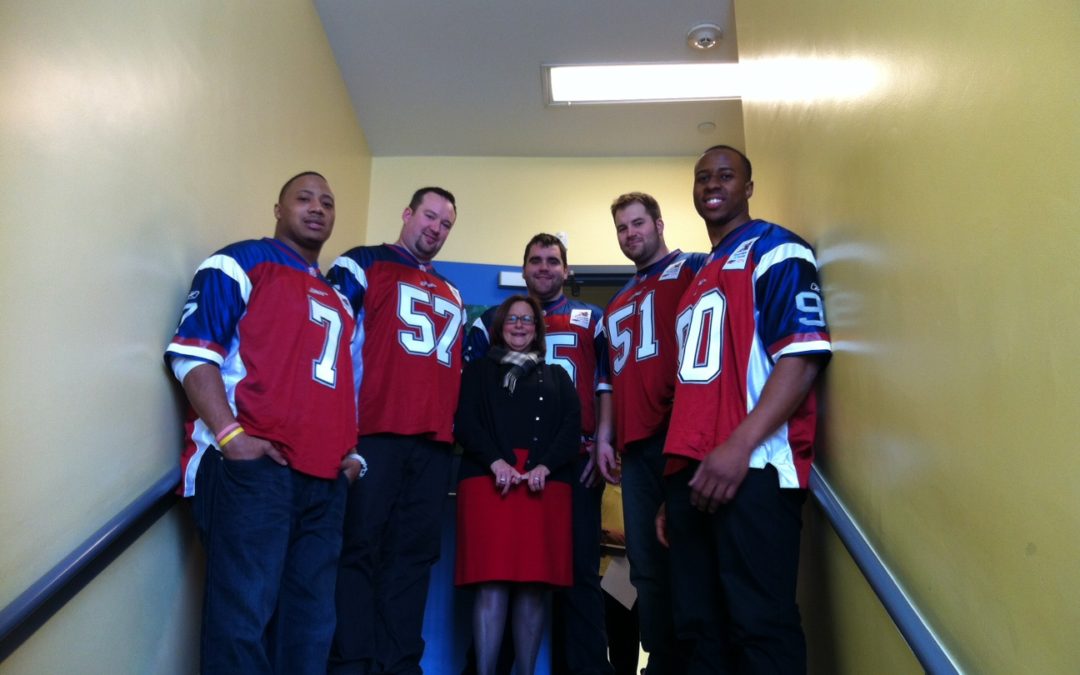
(731, 236)
(659, 264)
(409, 257)
(554, 304)
(313, 270)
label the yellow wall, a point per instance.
(944, 208)
(137, 138)
(503, 201)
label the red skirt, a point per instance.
(522, 537)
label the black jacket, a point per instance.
(543, 416)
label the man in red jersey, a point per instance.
(262, 350)
(753, 338)
(640, 325)
(408, 370)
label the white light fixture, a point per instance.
(566, 85)
(779, 79)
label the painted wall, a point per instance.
(137, 138)
(504, 201)
(944, 208)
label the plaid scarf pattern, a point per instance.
(521, 364)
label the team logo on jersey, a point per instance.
(738, 257)
(580, 317)
(192, 295)
(428, 284)
(672, 271)
(815, 288)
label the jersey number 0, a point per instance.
(701, 338)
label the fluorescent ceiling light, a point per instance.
(777, 79)
(565, 85)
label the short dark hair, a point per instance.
(418, 196)
(545, 240)
(646, 200)
(745, 159)
(285, 187)
(497, 323)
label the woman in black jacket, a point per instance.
(519, 423)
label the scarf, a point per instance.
(521, 364)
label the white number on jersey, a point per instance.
(701, 338)
(622, 337)
(810, 302)
(556, 342)
(324, 368)
(422, 341)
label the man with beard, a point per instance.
(410, 341)
(640, 325)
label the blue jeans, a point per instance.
(272, 539)
(650, 571)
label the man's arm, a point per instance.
(605, 426)
(206, 391)
(719, 475)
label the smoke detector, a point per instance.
(704, 36)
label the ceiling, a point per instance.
(462, 77)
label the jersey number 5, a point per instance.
(421, 339)
(701, 338)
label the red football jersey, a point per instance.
(758, 300)
(574, 332)
(408, 355)
(640, 327)
(280, 335)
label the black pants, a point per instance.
(624, 645)
(734, 574)
(393, 522)
(650, 572)
(579, 639)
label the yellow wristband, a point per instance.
(232, 434)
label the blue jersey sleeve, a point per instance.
(478, 339)
(789, 301)
(347, 275)
(218, 298)
(600, 346)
